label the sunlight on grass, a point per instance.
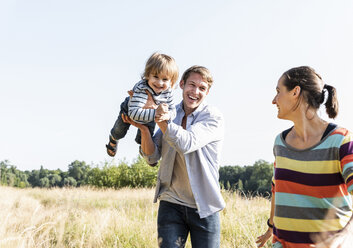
(87, 217)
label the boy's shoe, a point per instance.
(112, 146)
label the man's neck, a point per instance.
(188, 111)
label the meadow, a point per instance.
(88, 217)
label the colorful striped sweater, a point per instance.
(311, 188)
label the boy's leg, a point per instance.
(151, 125)
(172, 229)
(205, 232)
(120, 128)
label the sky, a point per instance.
(65, 67)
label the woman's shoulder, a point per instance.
(344, 135)
(341, 131)
(279, 139)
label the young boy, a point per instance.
(159, 77)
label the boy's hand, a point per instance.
(130, 92)
(162, 113)
(162, 108)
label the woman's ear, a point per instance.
(296, 91)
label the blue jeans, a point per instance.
(176, 221)
(120, 128)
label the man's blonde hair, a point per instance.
(160, 63)
(203, 71)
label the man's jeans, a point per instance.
(176, 221)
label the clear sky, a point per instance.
(65, 67)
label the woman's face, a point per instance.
(285, 100)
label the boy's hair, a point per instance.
(161, 63)
(203, 71)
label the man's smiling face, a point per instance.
(195, 89)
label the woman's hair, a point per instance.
(310, 84)
(202, 71)
(161, 63)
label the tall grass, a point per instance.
(85, 217)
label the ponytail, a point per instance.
(331, 102)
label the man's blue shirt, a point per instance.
(200, 144)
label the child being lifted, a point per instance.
(158, 80)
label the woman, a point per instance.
(311, 204)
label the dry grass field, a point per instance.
(85, 217)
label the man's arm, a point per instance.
(342, 239)
(147, 144)
(148, 147)
(208, 128)
(162, 116)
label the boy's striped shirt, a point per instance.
(311, 188)
(139, 98)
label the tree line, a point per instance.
(254, 179)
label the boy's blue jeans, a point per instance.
(120, 127)
(176, 221)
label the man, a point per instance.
(187, 183)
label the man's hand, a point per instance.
(162, 113)
(127, 119)
(343, 239)
(150, 103)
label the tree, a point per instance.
(11, 176)
(34, 178)
(260, 179)
(229, 175)
(70, 181)
(142, 174)
(44, 182)
(43, 172)
(240, 185)
(79, 171)
(54, 180)
(255, 179)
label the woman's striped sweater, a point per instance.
(311, 188)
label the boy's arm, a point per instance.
(137, 112)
